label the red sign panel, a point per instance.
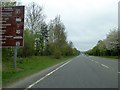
(12, 42)
(12, 26)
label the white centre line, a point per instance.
(96, 62)
(92, 60)
(47, 75)
(104, 66)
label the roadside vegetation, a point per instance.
(108, 47)
(45, 44)
(27, 66)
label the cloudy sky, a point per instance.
(86, 21)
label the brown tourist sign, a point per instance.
(12, 26)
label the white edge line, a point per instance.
(104, 66)
(47, 75)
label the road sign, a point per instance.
(12, 26)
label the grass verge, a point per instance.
(27, 66)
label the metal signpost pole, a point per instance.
(15, 57)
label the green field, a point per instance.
(27, 66)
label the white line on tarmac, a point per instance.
(118, 72)
(96, 62)
(92, 60)
(104, 66)
(47, 75)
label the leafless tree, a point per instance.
(34, 17)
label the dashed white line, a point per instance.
(104, 66)
(96, 62)
(100, 63)
(47, 75)
(92, 60)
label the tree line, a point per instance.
(42, 39)
(107, 47)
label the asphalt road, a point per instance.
(83, 72)
(80, 72)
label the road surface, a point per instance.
(81, 72)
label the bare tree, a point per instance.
(35, 22)
(34, 17)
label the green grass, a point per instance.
(0, 79)
(26, 67)
(0, 75)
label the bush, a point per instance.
(57, 54)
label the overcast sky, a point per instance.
(86, 21)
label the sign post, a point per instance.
(11, 28)
(15, 57)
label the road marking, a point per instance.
(47, 75)
(118, 72)
(104, 66)
(101, 64)
(92, 60)
(96, 62)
